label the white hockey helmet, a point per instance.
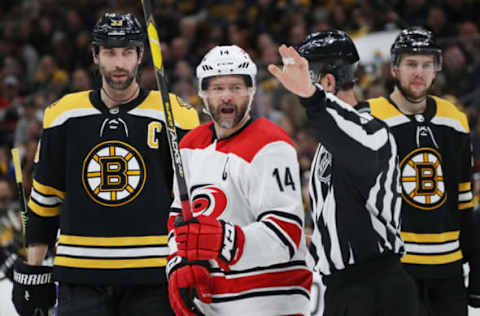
(225, 60)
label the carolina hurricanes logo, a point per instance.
(208, 200)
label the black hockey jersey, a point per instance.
(354, 188)
(104, 176)
(435, 172)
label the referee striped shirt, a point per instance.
(354, 186)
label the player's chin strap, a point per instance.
(203, 95)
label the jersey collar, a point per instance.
(97, 102)
(428, 114)
(214, 135)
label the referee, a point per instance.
(354, 185)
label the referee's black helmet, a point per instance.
(332, 52)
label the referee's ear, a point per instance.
(328, 83)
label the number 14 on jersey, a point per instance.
(284, 178)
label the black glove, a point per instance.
(34, 291)
(473, 288)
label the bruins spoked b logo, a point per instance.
(423, 184)
(113, 173)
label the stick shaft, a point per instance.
(19, 180)
(167, 108)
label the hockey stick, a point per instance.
(167, 109)
(169, 121)
(19, 180)
(11, 254)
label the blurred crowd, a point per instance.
(45, 53)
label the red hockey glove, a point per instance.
(205, 238)
(187, 280)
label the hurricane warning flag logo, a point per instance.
(113, 173)
(208, 200)
(422, 179)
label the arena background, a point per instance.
(44, 53)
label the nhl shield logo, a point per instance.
(423, 184)
(113, 173)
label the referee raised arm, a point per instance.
(354, 188)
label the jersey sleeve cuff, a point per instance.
(40, 230)
(317, 100)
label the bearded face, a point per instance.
(414, 76)
(118, 66)
(228, 98)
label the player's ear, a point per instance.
(95, 55)
(141, 53)
(393, 71)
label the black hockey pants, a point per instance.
(442, 297)
(382, 288)
(135, 300)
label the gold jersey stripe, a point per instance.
(73, 101)
(430, 238)
(47, 190)
(436, 259)
(42, 210)
(113, 241)
(109, 263)
(465, 186)
(463, 206)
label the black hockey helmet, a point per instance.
(332, 52)
(416, 40)
(118, 30)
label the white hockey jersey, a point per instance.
(251, 179)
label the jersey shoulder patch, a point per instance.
(448, 112)
(70, 105)
(185, 118)
(382, 109)
(253, 138)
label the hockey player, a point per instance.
(354, 191)
(243, 180)
(433, 138)
(104, 177)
